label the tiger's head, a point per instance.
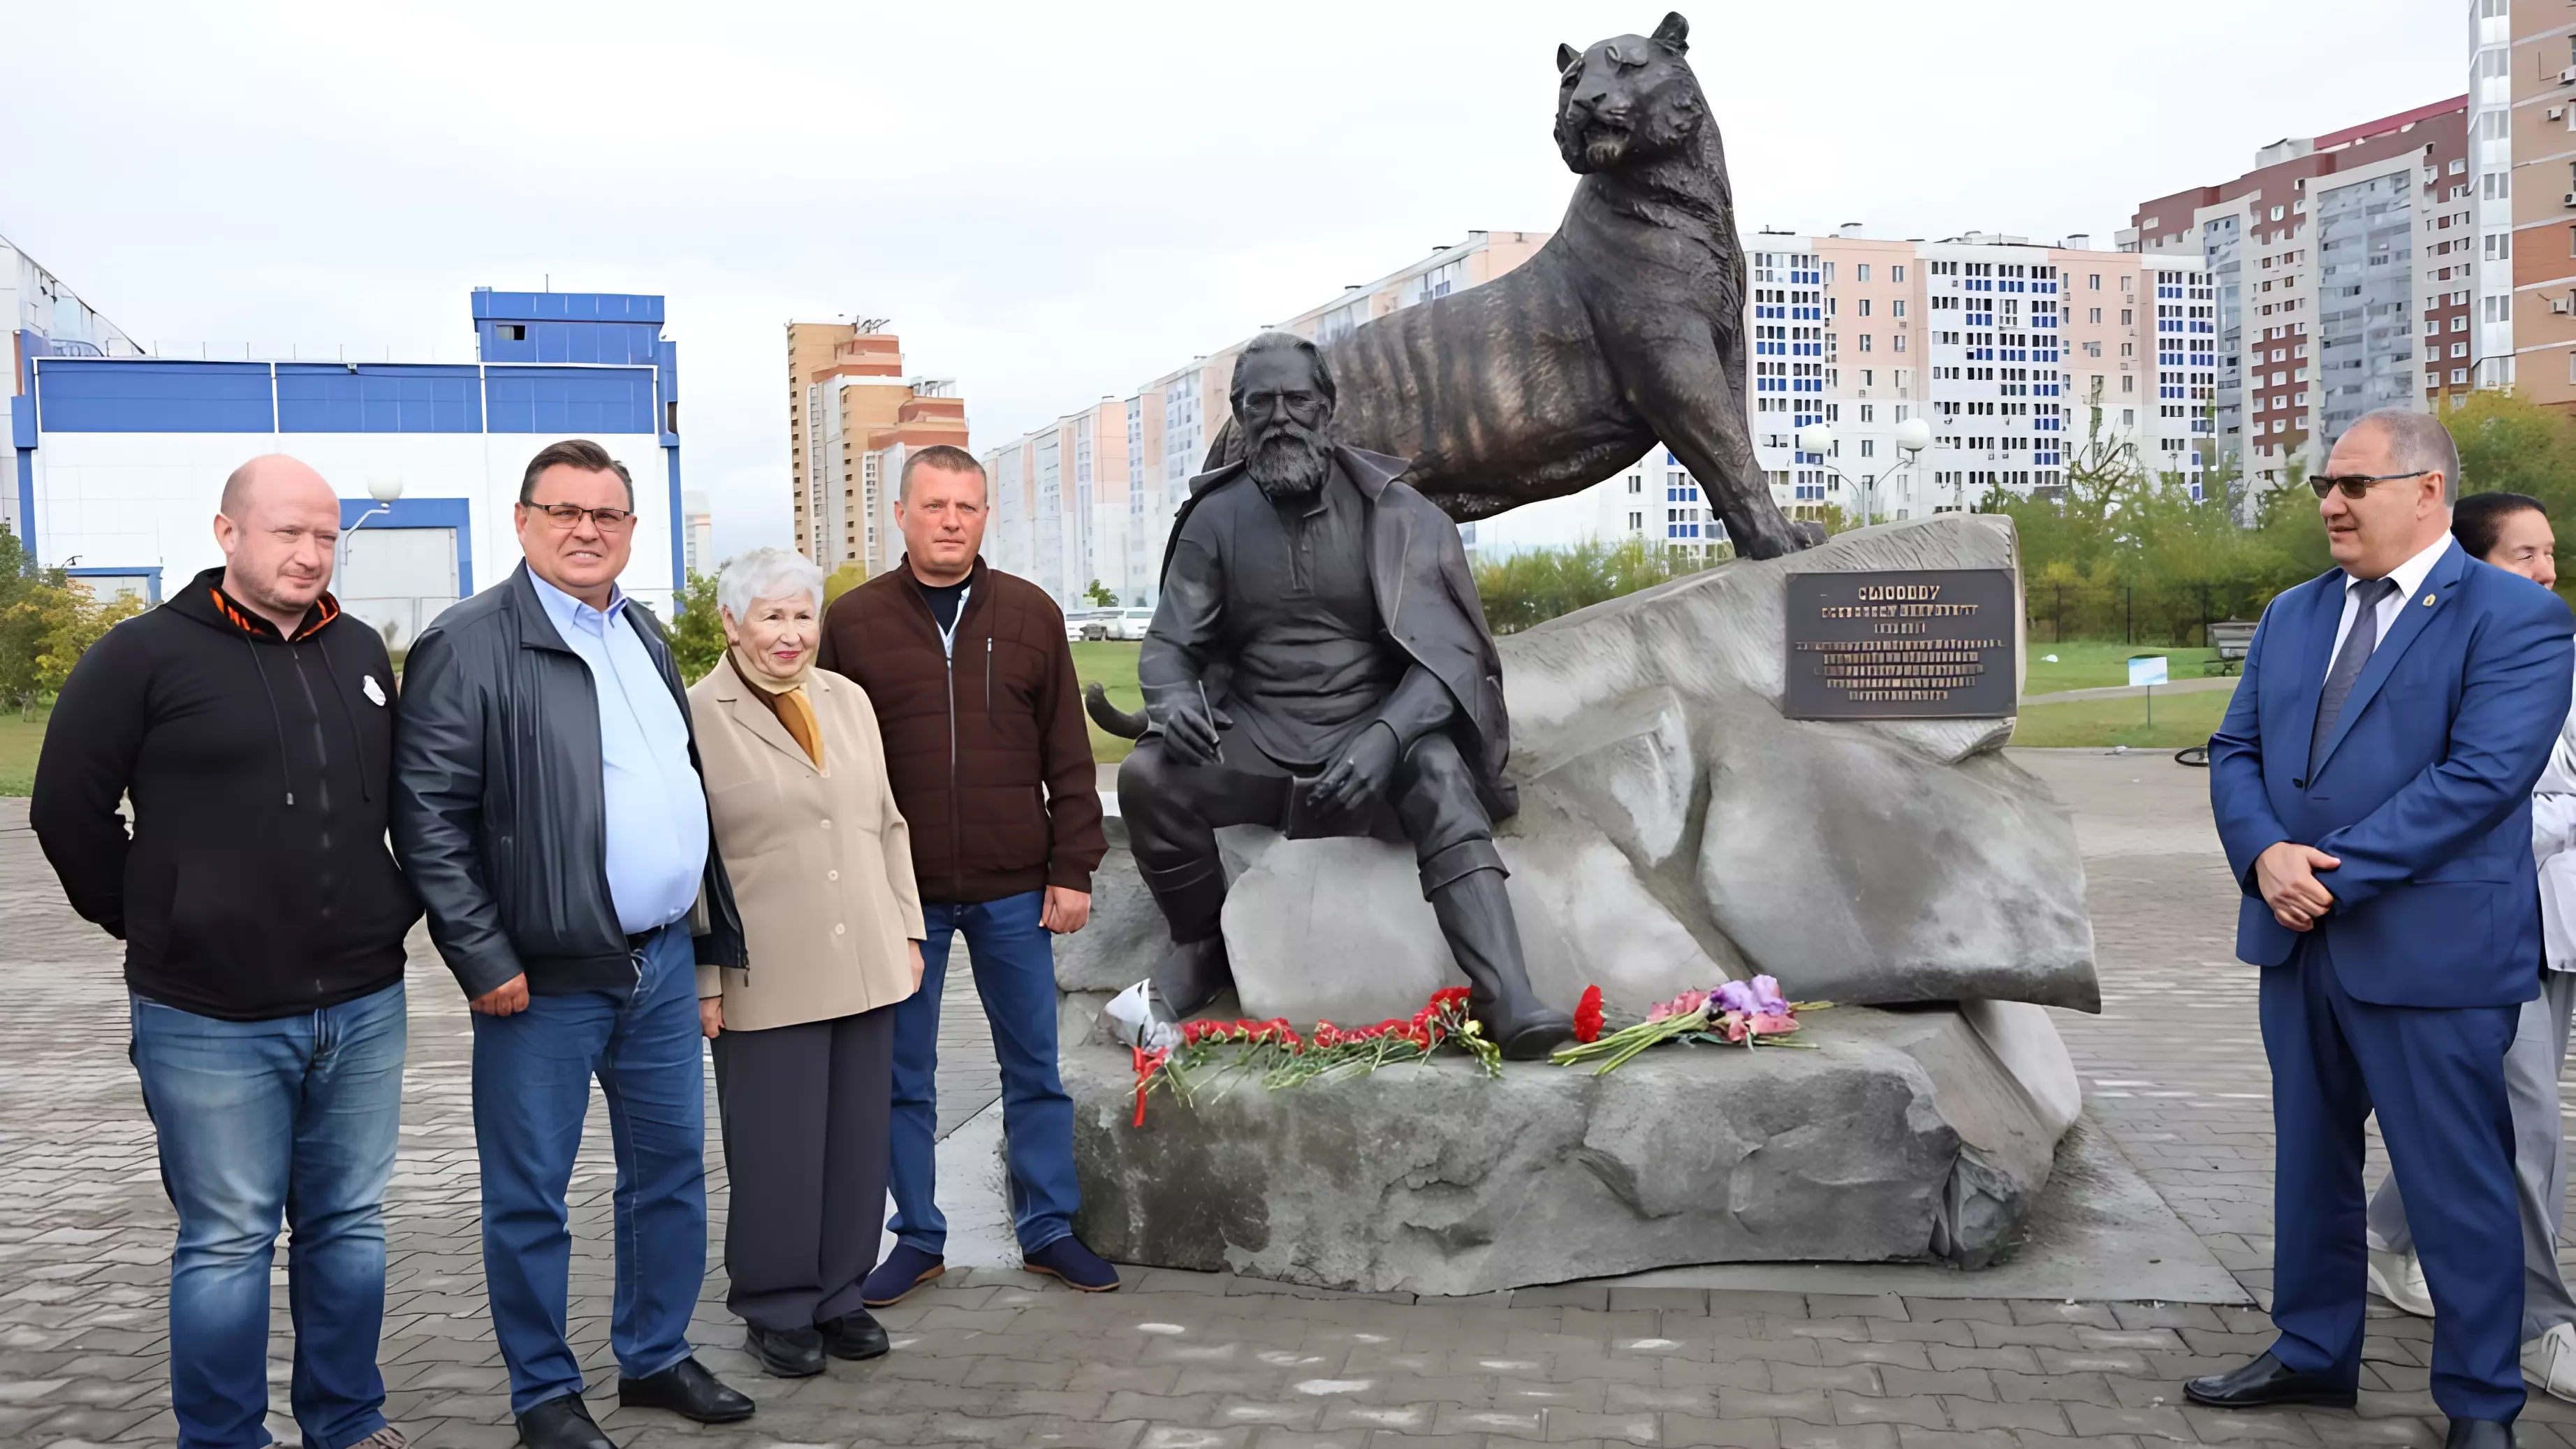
(1629, 100)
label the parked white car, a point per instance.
(1129, 623)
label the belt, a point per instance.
(639, 940)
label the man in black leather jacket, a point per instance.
(548, 808)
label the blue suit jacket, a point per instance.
(2423, 791)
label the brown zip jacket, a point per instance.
(988, 753)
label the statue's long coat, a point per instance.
(1426, 600)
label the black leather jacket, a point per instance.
(499, 813)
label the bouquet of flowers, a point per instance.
(1737, 1012)
(1221, 1053)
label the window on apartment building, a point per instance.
(1860, 273)
(1636, 482)
(1897, 307)
(2497, 309)
(1829, 273)
(1864, 342)
(2128, 316)
(2129, 283)
(1899, 345)
(1864, 302)
(1896, 273)
(2128, 382)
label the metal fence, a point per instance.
(2173, 614)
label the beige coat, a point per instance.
(821, 861)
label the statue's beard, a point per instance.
(1288, 463)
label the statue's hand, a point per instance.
(1359, 776)
(1190, 727)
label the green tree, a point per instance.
(47, 621)
(1536, 585)
(1101, 595)
(843, 579)
(697, 629)
(2509, 444)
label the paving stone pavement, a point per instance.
(2173, 1072)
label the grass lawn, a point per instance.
(1112, 665)
(2093, 663)
(20, 735)
(2181, 719)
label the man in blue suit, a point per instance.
(2372, 785)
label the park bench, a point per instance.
(2231, 638)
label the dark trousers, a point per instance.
(1173, 811)
(2436, 1078)
(805, 1110)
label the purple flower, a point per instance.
(1736, 996)
(1767, 998)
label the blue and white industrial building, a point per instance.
(121, 455)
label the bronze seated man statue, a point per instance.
(1319, 664)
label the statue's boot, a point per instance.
(1196, 971)
(1475, 912)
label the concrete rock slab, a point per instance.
(1900, 1137)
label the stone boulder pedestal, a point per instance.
(1904, 1135)
(1676, 830)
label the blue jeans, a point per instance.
(293, 1119)
(532, 1074)
(1014, 962)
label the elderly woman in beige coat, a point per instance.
(804, 1035)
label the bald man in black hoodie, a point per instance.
(251, 725)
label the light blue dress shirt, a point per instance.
(657, 808)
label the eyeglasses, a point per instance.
(2355, 485)
(567, 516)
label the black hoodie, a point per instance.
(257, 882)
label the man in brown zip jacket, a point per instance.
(991, 762)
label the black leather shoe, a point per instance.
(688, 1390)
(2479, 1434)
(854, 1335)
(2267, 1381)
(795, 1353)
(562, 1423)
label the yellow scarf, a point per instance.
(786, 699)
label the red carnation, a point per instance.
(1587, 1015)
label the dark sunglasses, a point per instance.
(2355, 485)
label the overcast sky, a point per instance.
(1052, 201)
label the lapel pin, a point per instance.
(2428, 601)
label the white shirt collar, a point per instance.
(2410, 574)
(568, 610)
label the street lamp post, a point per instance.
(384, 491)
(1912, 436)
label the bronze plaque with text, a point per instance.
(1902, 644)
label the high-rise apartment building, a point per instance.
(1066, 524)
(2522, 123)
(2021, 357)
(697, 533)
(2016, 354)
(2343, 271)
(852, 419)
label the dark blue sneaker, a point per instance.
(904, 1269)
(1077, 1265)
